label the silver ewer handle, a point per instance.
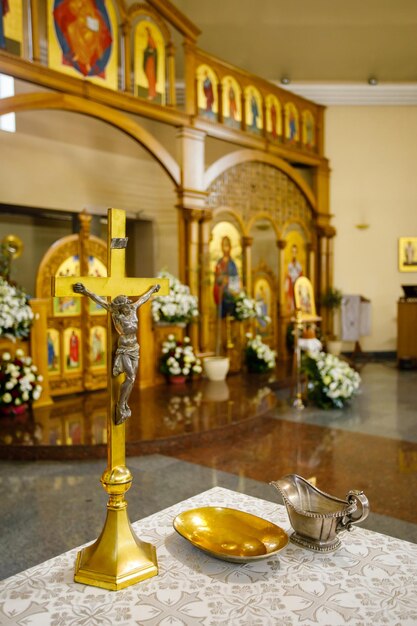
(361, 512)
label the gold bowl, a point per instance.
(229, 534)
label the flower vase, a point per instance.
(15, 413)
(177, 380)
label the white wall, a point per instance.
(58, 174)
(373, 157)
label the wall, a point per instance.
(373, 156)
(39, 170)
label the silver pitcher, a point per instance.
(316, 517)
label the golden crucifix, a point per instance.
(118, 558)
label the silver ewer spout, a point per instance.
(317, 517)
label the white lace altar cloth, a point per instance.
(371, 579)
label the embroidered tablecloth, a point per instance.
(370, 580)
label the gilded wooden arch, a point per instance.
(138, 10)
(76, 320)
(40, 101)
(244, 156)
(262, 215)
(224, 212)
(287, 228)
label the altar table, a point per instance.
(370, 580)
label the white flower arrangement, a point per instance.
(16, 316)
(249, 308)
(179, 307)
(259, 356)
(331, 382)
(19, 380)
(178, 358)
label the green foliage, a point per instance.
(332, 298)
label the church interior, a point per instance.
(259, 167)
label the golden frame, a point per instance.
(304, 299)
(407, 254)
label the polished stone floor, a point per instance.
(51, 506)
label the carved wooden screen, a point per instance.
(77, 328)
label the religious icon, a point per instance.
(232, 107)
(126, 357)
(97, 346)
(292, 131)
(74, 436)
(53, 349)
(309, 138)
(294, 269)
(72, 349)
(407, 254)
(304, 298)
(11, 26)
(207, 92)
(227, 281)
(84, 32)
(149, 61)
(254, 121)
(273, 116)
(82, 39)
(262, 293)
(73, 359)
(98, 269)
(4, 9)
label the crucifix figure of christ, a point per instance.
(126, 359)
(117, 558)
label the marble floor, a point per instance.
(50, 506)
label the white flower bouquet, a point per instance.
(180, 307)
(260, 357)
(178, 358)
(19, 380)
(249, 308)
(16, 316)
(331, 382)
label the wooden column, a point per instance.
(220, 102)
(205, 270)
(190, 68)
(127, 30)
(34, 17)
(191, 204)
(247, 263)
(281, 311)
(172, 97)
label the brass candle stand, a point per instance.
(298, 328)
(118, 558)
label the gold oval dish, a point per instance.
(229, 534)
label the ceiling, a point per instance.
(311, 40)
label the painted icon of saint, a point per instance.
(74, 350)
(84, 34)
(226, 281)
(208, 92)
(274, 120)
(294, 270)
(150, 64)
(4, 9)
(232, 102)
(292, 124)
(255, 112)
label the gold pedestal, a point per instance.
(118, 558)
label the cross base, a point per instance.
(118, 558)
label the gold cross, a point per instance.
(118, 558)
